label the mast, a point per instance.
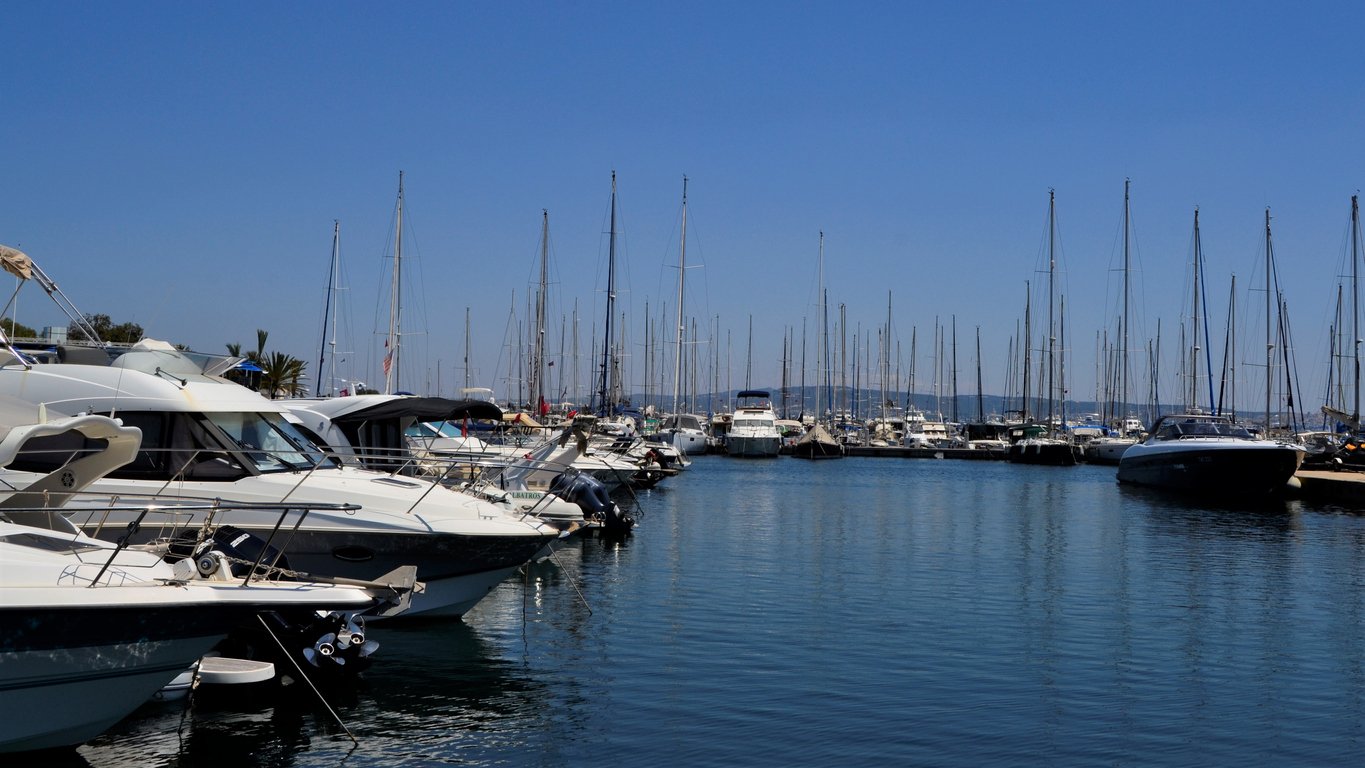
(1051, 280)
(980, 400)
(606, 385)
(953, 369)
(1194, 320)
(330, 334)
(1028, 351)
(1269, 339)
(749, 357)
(886, 357)
(682, 271)
(466, 347)
(391, 355)
(1355, 310)
(1123, 333)
(821, 349)
(537, 388)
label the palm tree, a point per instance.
(280, 374)
(259, 354)
(235, 348)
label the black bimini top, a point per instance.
(424, 409)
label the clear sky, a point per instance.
(180, 165)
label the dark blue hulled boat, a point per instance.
(1207, 454)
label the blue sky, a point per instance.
(181, 165)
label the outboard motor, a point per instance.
(591, 496)
(239, 548)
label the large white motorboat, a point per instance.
(1210, 455)
(403, 433)
(92, 629)
(753, 429)
(686, 432)
(207, 438)
(1109, 449)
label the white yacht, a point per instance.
(686, 432)
(92, 630)
(753, 428)
(204, 437)
(405, 434)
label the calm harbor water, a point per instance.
(861, 612)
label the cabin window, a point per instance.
(176, 446)
(269, 442)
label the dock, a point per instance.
(899, 451)
(1326, 485)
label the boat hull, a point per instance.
(457, 569)
(1215, 469)
(67, 676)
(1052, 453)
(688, 442)
(746, 446)
(70, 670)
(1107, 450)
(817, 449)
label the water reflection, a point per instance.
(437, 687)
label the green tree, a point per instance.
(124, 333)
(281, 374)
(259, 355)
(234, 349)
(15, 330)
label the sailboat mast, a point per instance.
(980, 400)
(1232, 349)
(821, 339)
(391, 355)
(611, 300)
(1355, 309)
(682, 272)
(1194, 320)
(749, 357)
(886, 356)
(538, 349)
(1028, 351)
(1123, 353)
(1051, 287)
(329, 317)
(1269, 339)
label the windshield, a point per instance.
(271, 443)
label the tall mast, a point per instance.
(1123, 335)
(466, 347)
(1194, 320)
(1269, 339)
(1355, 309)
(537, 389)
(749, 357)
(821, 340)
(886, 355)
(391, 368)
(606, 385)
(328, 311)
(1028, 351)
(1051, 280)
(682, 271)
(980, 400)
